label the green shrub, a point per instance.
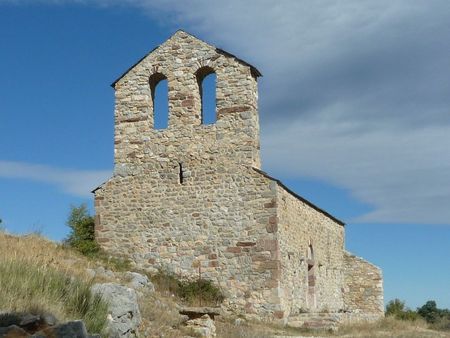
(25, 287)
(82, 234)
(200, 292)
(397, 309)
(194, 292)
(430, 312)
(438, 319)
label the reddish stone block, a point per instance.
(271, 283)
(187, 103)
(213, 264)
(234, 249)
(212, 256)
(272, 228)
(278, 314)
(245, 243)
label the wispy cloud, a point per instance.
(354, 92)
(74, 182)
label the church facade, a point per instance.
(192, 197)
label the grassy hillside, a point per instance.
(40, 276)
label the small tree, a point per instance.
(395, 307)
(429, 311)
(82, 234)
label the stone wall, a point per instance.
(219, 228)
(311, 281)
(363, 291)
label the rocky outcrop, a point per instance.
(201, 320)
(138, 281)
(202, 327)
(24, 325)
(124, 316)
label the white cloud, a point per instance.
(74, 182)
(354, 92)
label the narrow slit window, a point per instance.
(206, 78)
(180, 172)
(160, 97)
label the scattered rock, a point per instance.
(138, 281)
(124, 316)
(91, 273)
(202, 327)
(102, 272)
(40, 326)
(13, 331)
(197, 312)
(49, 319)
(73, 329)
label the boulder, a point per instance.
(13, 331)
(124, 316)
(73, 329)
(139, 281)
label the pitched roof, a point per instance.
(315, 207)
(254, 70)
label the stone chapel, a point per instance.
(192, 197)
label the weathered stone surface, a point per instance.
(124, 316)
(139, 281)
(363, 290)
(191, 198)
(73, 329)
(41, 326)
(196, 312)
(202, 327)
(13, 331)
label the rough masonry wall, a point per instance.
(217, 221)
(219, 227)
(363, 292)
(300, 226)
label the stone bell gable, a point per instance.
(184, 61)
(191, 198)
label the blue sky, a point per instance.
(354, 111)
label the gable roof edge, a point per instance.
(315, 207)
(255, 72)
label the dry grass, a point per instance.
(160, 317)
(384, 328)
(42, 252)
(227, 329)
(40, 276)
(389, 327)
(35, 289)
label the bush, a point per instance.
(25, 287)
(194, 292)
(200, 292)
(82, 235)
(397, 309)
(438, 319)
(430, 312)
